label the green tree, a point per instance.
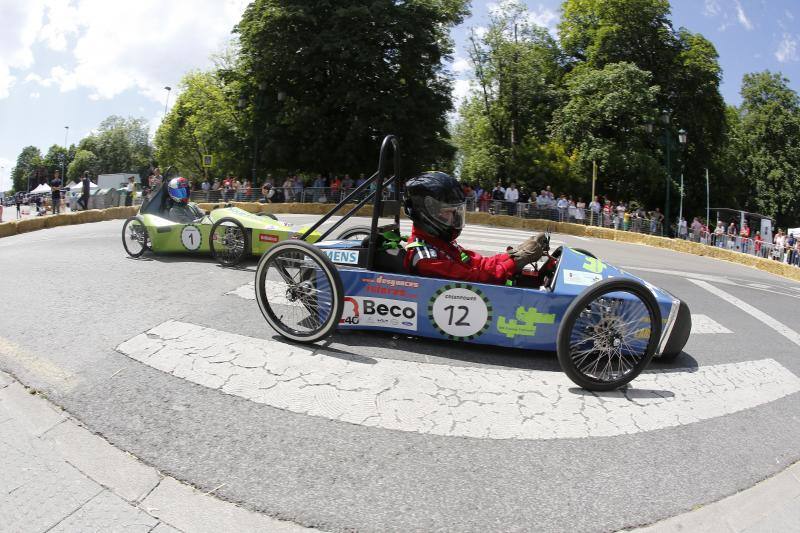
(202, 121)
(84, 160)
(503, 124)
(28, 167)
(58, 158)
(121, 145)
(770, 126)
(351, 71)
(603, 120)
(683, 65)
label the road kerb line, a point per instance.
(781, 328)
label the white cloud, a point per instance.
(787, 49)
(742, 16)
(461, 65)
(112, 47)
(21, 22)
(5, 173)
(461, 89)
(34, 96)
(542, 16)
(711, 8)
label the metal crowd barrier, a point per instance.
(322, 195)
(759, 248)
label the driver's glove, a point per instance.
(529, 251)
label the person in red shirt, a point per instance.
(435, 203)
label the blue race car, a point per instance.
(604, 324)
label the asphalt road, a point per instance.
(71, 296)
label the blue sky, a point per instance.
(75, 62)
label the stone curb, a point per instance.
(134, 486)
(503, 221)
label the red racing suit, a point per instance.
(427, 255)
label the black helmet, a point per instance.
(435, 202)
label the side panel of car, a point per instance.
(167, 236)
(437, 308)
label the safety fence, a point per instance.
(575, 215)
(755, 247)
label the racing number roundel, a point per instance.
(191, 238)
(460, 311)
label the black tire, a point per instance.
(268, 215)
(584, 252)
(355, 233)
(295, 284)
(229, 241)
(679, 335)
(610, 316)
(134, 237)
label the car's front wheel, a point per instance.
(135, 237)
(230, 242)
(356, 233)
(609, 334)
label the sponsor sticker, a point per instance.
(345, 257)
(390, 286)
(580, 277)
(460, 311)
(594, 265)
(267, 237)
(191, 238)
(524, 322)
(379, 312)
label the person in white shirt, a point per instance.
(512, 197)
(563, 205)
(594, 207)
(580, 211)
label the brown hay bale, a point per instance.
(8, 229)
(30, 224)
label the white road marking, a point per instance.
(703, 324)
(750, 310)
(481, 402)
(717, 279)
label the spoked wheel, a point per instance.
(609, 334)
(356, 233)
(299, 291)
(229, 241)
(134, 237)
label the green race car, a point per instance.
(228, 233)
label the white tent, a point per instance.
(43, 188)
(71, 184)
(79, 187)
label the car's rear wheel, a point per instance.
(355, 233)
(134, 237)
(609, 334)
(299, 291)
(230, 242)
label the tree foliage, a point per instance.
(602, 120)
(203, 121)
(120, 145)
(770, 129)
(28, 161)
(351, 72)
(503, 124)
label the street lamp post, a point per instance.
(166, 102)
(682, 137)
(665, 117)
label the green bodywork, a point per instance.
(167, 236)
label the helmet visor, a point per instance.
(179, 193)
(450, 215)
